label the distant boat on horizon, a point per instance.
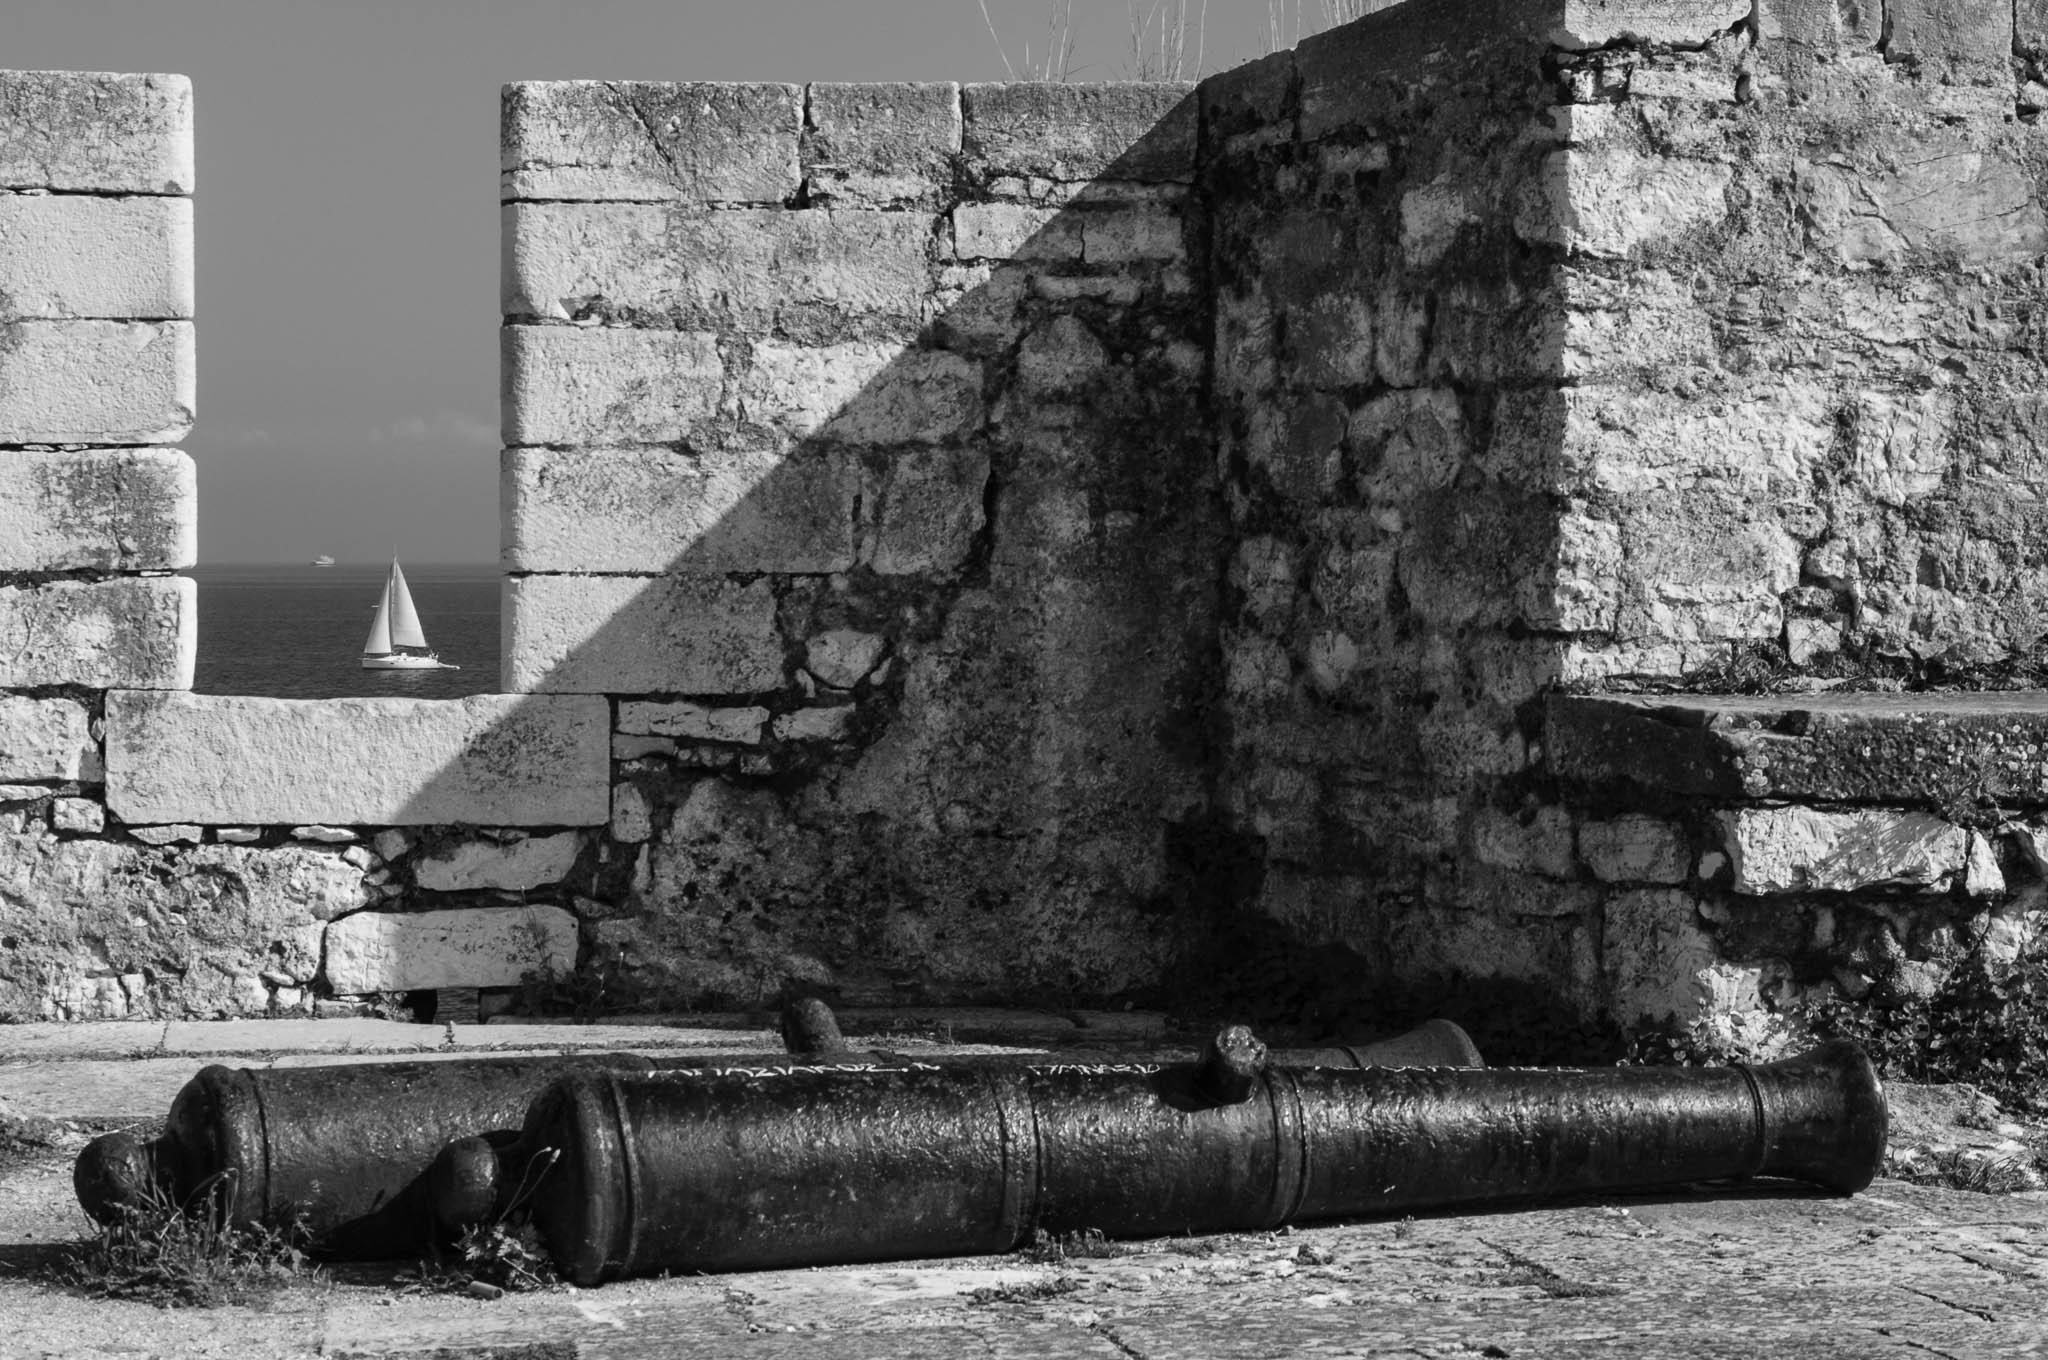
(323, 560)
(396, 626)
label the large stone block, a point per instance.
(517, 865)
(1822, 26)
(96, 382)
(694, 722)
(757, 270)
(1661, 966)
(102, 929)
(84, 256)
(491, 760)
(376, 951)
(2030, 25)
(1581, 24)
(1615, 329)
(1140, 132)
(640, 635)
(46, 739)
(1607, 202)
(651, 141)
(1902, 445)
(1764, 444)
(95, 131)
(1635, 849)
(861, 392)
(1246, 106)
(1133, 236)
(112, 510)
(924, 509)
(881, 145)
(1011, 231)
(655, 510)
(1800, 849)
(1929, 749)
(1950, 198)
(136, 633)
(588, 385)
(1357, 77)
(1943, 33)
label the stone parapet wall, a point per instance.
(855, 448)
(163, 854)
(1390, 314)
(1760, 854)
(96, 357)
(1589, 346)
(1074, 540)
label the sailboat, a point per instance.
(397, 625)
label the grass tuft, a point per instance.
(489, 1259)
(186, 1257)
(1082, 1243)
(1037, 1291)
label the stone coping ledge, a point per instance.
(357, 1039)
(1937, 749)
(361, 1039)
(236, 760)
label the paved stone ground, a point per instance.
(1763, 1271)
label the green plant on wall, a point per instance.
(1985, 1025)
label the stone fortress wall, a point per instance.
(1011, 541)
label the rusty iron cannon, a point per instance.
(342, 1148)
(628, 1174)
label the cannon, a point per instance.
(341, 1149)
(628, 1174)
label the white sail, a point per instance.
(380, 630)
(405, 620)
(398, 625)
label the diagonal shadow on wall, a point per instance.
(893, 531)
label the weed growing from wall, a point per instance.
(1055, 59)
(1288, 23)
(1160, 33)
(1983, 1025)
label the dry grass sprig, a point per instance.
(186, 1255)
(1160, 33)
(1055, 60)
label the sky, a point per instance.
(347, 211)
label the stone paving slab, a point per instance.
(1900, 1270)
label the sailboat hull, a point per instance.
(398, 661)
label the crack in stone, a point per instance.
(1109, 1334)
(1985, 1314)
(1923, 1346)
(2010, 1274)
(654, 139)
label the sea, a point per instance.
(296, 631)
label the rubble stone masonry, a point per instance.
(1025, 540)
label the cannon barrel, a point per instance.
(625, 1174)
(343, 1147)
